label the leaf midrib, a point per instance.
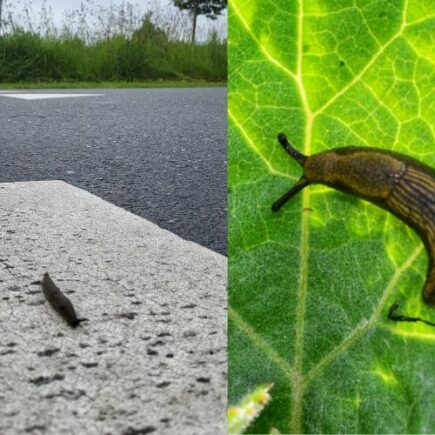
(298, 383)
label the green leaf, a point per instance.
(310, 286)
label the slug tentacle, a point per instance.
(303, 182)
(77, 322)
(401, 318)
(399, 184)
(300, 158)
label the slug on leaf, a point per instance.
(399, 184)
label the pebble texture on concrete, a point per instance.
(151, 358)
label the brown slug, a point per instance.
(399, 184)
(59, 301)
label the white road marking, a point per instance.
(46, 96)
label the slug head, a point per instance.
(303, 182)
(366, 173)
(76, 322)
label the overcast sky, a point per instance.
(60, 7)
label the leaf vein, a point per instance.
(252, 145)
(361, 328)
(356, 78)
(261, 344)
(262, 48)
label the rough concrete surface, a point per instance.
(151, 358)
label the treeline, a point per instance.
(147, 54)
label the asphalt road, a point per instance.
(159, 153)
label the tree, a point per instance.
(209, 8)
(150, 32)
(1, 4)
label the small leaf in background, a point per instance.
(242, 415)
(310, 286)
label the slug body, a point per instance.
(59, 301)
(399, 184)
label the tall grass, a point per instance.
(114, 45)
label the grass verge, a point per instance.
(110, 85)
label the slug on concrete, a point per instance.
(399, 184)
(59, 301)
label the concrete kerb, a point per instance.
(152, 356)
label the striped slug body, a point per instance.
(59, 301)
(398, 183)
